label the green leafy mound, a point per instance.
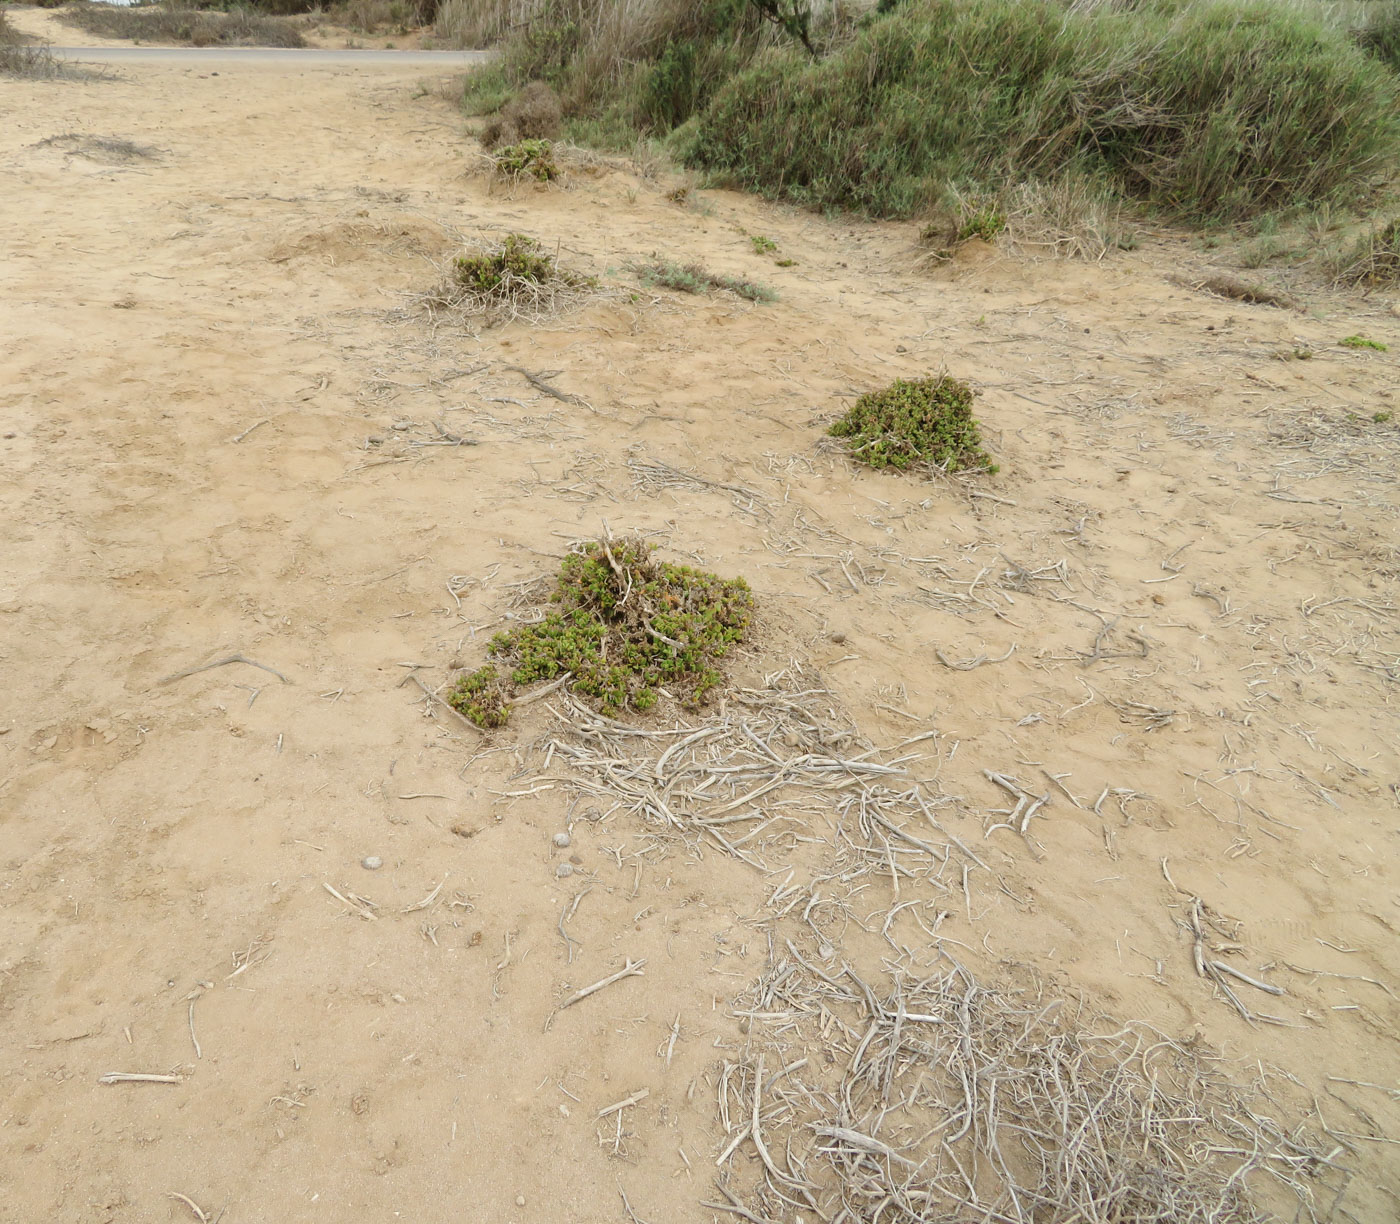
(528, 158)
(518, 258)
(624, 627)
(922, 423)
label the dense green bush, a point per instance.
(1209, 110)
(921, 424)
(622, 627)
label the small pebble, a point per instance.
(561, 840)
(564, 869)
(520, 1200)
(402, 425)
(372, 863)
(375, 440)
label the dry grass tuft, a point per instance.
(21, 59)
(533, 114)
(109, 149)
(196, 27)
(1375, 260)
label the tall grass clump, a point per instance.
(1380, 34)
(1211, 110)
(621, 67)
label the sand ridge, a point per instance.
(216, 399)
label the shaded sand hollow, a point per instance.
(218, 404)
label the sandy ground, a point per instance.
(214, 392)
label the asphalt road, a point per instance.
(300, 57)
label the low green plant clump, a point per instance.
(516, 280)
(481, 697)
(518, 258)
(692, 278)
(1360, 342)
(921, 423)
(624, 627)
(762, 245)
(528, 158)
(984, 221)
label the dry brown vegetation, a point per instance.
(196, 27)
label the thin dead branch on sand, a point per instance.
(233, 658)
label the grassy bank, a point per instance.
(237, 27)
(1215, 111)
(1202, 110)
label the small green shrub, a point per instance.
(984, 221)
(529, 158)
(624, 627)
(1360, 342)
(923, 423)
(762, 245)
(667, 274)
(516, 280)
(518, 258)
(692, 278)
(1382, 418)
(481, 697)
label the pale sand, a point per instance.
(1190, 483)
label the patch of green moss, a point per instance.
(1360, 342)
(927, 422)
(532, 158)
(481, 697)
(624, 626)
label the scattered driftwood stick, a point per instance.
(199, 1213)
(538, 382)
(1243, 291)
(974, 662)
(250, 429)
(432, 696)
(233, 658)
(636, 1098)
(543, 690)
(1266, 987)
(359, 909)
(139, 1077)
(631, 969)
